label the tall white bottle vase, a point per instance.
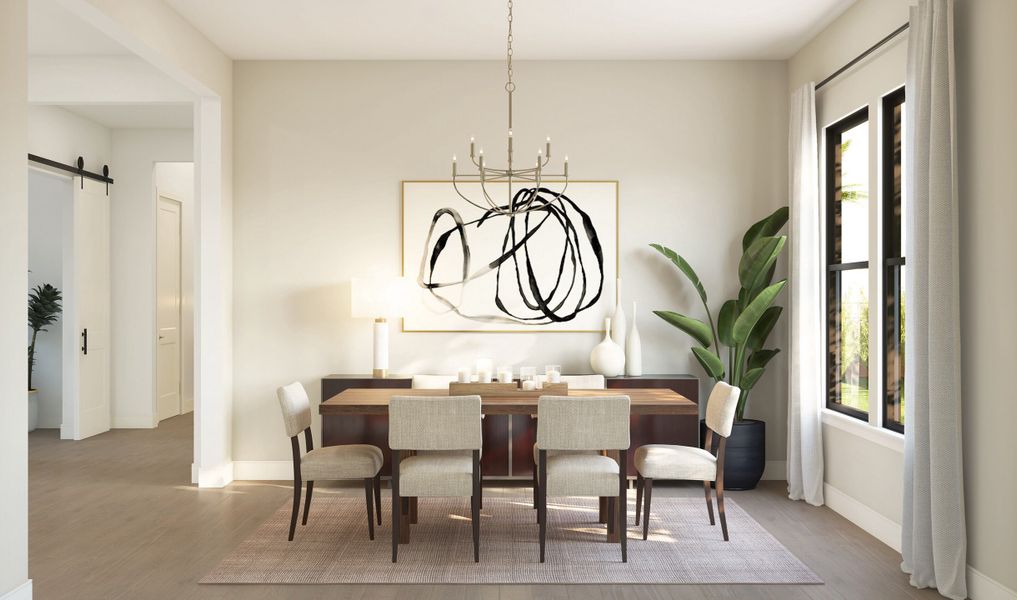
(634, 349)
(607, 358)
(618, 325)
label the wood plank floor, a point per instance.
(115, 517)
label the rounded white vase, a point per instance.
(607, 358)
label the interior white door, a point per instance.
(92, 306)
(168, 309)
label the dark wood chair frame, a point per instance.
(404, 511)
(644, 487)
(370, 483)
(617, 507)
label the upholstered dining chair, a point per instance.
(354, 461)
(662, 461)
(576, 382)
(443, 427)
(583, 424)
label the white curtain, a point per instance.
(804, 431)
(934, 534)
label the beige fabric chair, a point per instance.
(583, 424)
(444, 427)
(661, 461)
(355, 461)
(576, 382)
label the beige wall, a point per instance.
(699, 149)
(986, 94)
(13, 300)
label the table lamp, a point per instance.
(379, 298)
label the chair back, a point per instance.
(585, 382)
(721, 407)
(583, 423)
(434, 423)
(296, 407)
(432, 382)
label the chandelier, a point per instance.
(527, 201)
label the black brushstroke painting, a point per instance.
(580, 265)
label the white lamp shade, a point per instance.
(376, 296)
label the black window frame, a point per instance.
(833, 265)
(891, 163)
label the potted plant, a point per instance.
(733, 348)
(43, 308)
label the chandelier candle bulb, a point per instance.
(472, 154)
(548, 152)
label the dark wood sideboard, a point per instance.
(508, 439)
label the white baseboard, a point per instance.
(983, 587)
(263, 470)
(22, 592)
(878, 526)
(133, 422)
(775, 470)
(215, 477)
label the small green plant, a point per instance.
(743, 323)
(43, 309)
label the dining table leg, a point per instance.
(413, 510)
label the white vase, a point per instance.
(618, 322)
(634, 349)
(33, 409)
(607, 358)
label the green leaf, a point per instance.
(766, 227)
(684, 266)
(710, 361)
(763, 327)
(756, 262)
(725, 322)
(750, 378)
(759, 358)
(694, 327)
(746, 321)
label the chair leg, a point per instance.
(709, 501)
(623, 503)
(720, 507)
(647, 494)
(377, 496)
(296, 507)
(368, 493)
(396, 505)
(536, 487)
(611, 512)
(307, 502)
(639, 497)
(542, 511)
(476, 501)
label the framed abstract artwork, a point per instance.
(552, 269)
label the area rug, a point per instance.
(682, 548)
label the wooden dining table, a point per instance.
(375, 401)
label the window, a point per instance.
(847, 215)
(893, 259)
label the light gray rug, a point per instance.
(683, 548)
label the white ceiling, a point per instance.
(52, 31)
(543, 29)
(136, 116)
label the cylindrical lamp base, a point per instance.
(380, 348)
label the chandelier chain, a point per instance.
(509, 86)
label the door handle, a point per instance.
(84, 341)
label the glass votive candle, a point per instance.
(464, 375)
(504, 374)
(527, 378)
(483, 370)
(553, 373)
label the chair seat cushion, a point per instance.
(575, 474)
(550, 453)
(436, 474)
(354, 461)
(660, 461)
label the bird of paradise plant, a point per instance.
(744, 323)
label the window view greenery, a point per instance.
(848, 265)
(893, 269)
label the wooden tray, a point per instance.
(506, 390)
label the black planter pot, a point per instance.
(745, 454)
